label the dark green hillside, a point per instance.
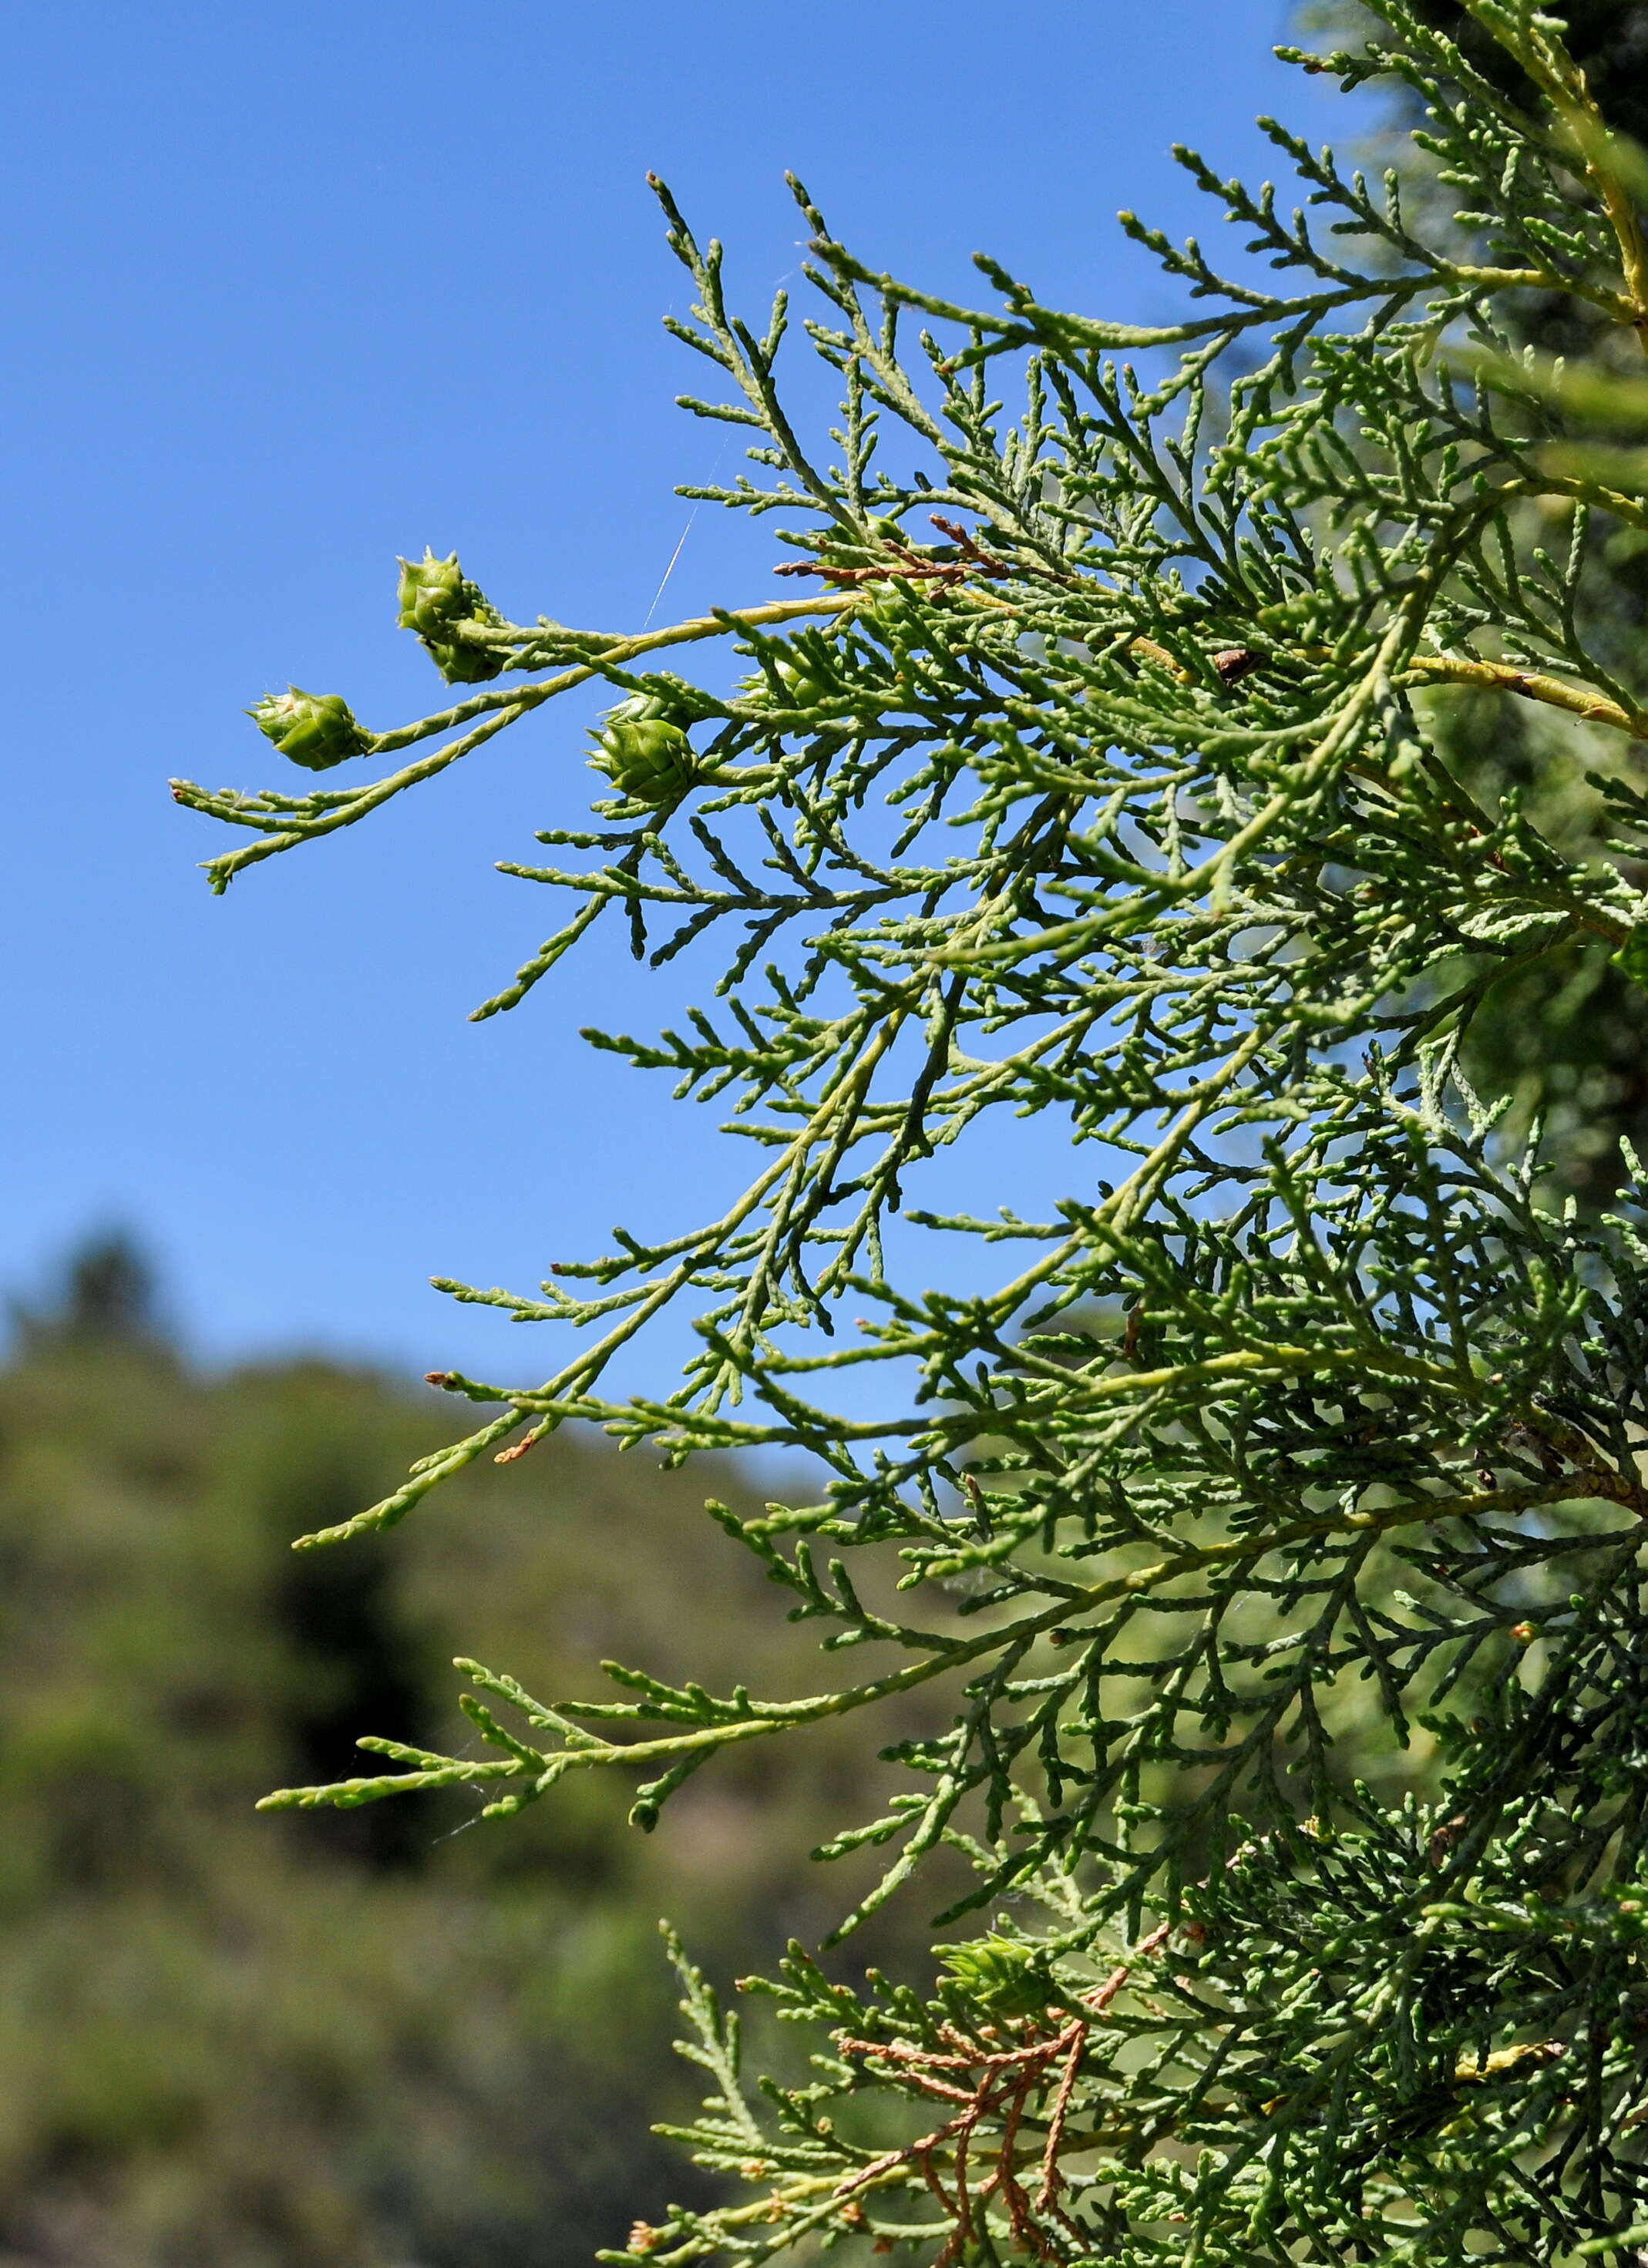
(362, 2038)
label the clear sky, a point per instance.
(293, 289)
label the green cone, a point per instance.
(1632, 956)
(803, 688)
(646, 753)
(434, 595)
(1011, 1979)
(316, 730)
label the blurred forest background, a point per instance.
(367, 2039)
(395, 2038)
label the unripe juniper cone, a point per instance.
(316, 730)
(435, 595)
(802, 679)
(1007, 1976)
(644, 753)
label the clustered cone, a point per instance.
(1009, 1977)
(434, 596)
(645, 752)
(316, 730)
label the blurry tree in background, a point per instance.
(107, 1298)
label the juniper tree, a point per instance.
(1082, 769)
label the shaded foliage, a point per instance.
(1568, 1037)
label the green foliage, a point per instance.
(1119, 802)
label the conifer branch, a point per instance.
(1091, 783)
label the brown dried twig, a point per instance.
(911, 566)
(1004, 2082)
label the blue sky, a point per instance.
(293, 289)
